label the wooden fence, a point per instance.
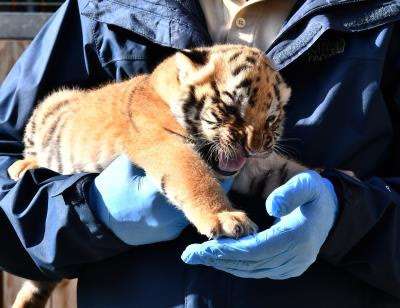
(65, 294)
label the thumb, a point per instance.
(299, 190)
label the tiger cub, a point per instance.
(197, 117)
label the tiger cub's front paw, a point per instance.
(229, 223)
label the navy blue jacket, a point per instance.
(342, 59)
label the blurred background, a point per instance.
(19, 23)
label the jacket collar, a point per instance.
(306, 8)
(315, 17)
(180, 23)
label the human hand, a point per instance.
(305, 208)
(131, 206)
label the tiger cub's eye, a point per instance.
(271, 118)
(208, 121)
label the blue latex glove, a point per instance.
(306, 208)
(132, 207)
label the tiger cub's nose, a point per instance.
(252, 145)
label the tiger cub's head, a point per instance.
(229, 99)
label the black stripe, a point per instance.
(58, 156)
(215, 88)
(199, 106)
(269, 96)
(278, 78)
(54, 108)
(228, 94)
(240, 69)
(164, 184)
(197, 56)
(235, 56)
(248, 91)
(222, 109)
(252, 60)
(52, 129)
(29, 152)
(192, 110)
(252, 99)
(30, 131)
(215, 100)
(254, 53)
(277, 92)
(72, 155)
(28, 141)
(31, 126)
(98, 167)
(216, 116)
(245, 83)
(228, 110)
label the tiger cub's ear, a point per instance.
(285, 93)
(194, 66)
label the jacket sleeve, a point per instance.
(366, 238)
(47, 228)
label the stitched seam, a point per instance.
(188, 30)
(125, 59)
(98, 44)
(157, 4)
(365, 24)
(96, 41)
(299, 52)
(322, 6)
(152, 13)
(290, 58)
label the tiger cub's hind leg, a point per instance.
(18, 168)
(34, 294)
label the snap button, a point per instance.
(240, 22)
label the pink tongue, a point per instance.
(231, 165)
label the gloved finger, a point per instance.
(299, 190)
(263, 245)
(268, 262)
(223, 249)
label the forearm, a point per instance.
(365, 238)
(55, 228)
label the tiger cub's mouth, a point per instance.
(230, 165)
(221, 163)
